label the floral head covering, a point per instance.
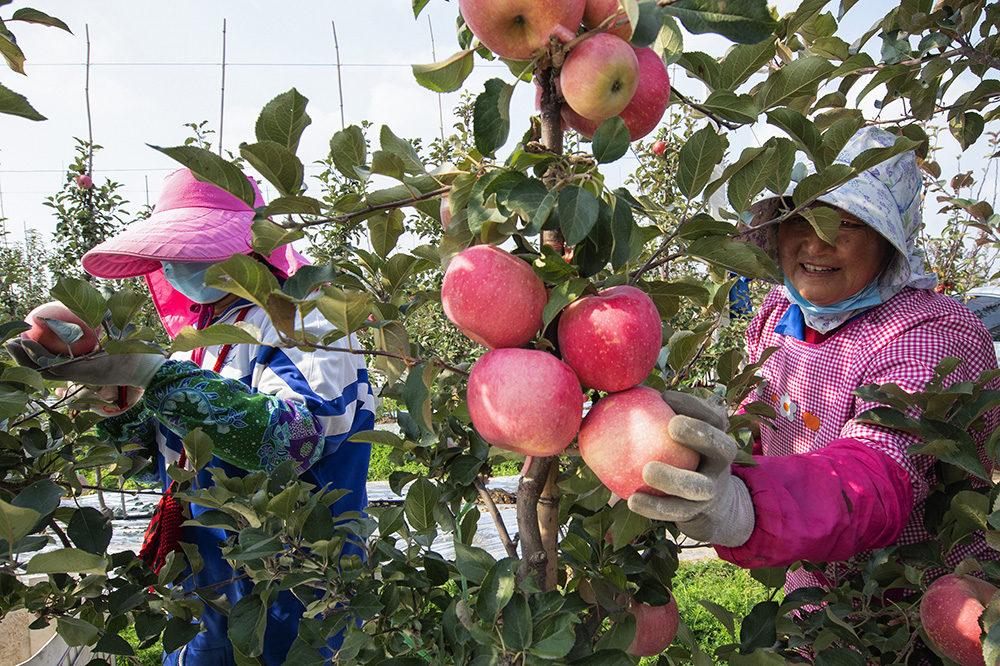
(887, 197)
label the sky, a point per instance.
(158, 66)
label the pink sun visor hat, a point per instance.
(191, 222)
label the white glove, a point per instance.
(708, 504)
(92, 370)
(106, 401)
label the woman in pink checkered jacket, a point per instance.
(828, 488)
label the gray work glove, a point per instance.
(104, 401)
(96, 370)
(708, 504)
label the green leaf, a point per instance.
(646, 26)
(211, 168)
(217, 334)
(16, 522)
(276, 163)
(74, 631)
(247, 621)
(799, 128)
(421, 498)
(114, 644)
(496, 590)
(833, 656)
(447, 75)
(751, 179)
(29, 15)
(874, 156)
(743, 61)
(758, 629)
(42, 496)
(67, 560)
(966, 128)
(743, 21)
(697, 159)
(199, 447)
(385, 228)
(244, 276)
(554, 636)
(124, 306)
(472, 562)
(308, 279)
(611, 140)
(15, 104)
(798, 78)
(268, 236)
(491, 116)
(417, 394)
(178, 633)
(346, 310)
(11, 52)
(578, 211)
(402, 149)
(732, 107)
(816, 184)
(516, 628)
(90, 530)
(825, 221)
(744, 258)
(82, 298)
(282, 121)
(627, 236)
(562, 295)
(349, 150)
(702, 66)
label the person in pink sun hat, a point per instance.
(261, 404)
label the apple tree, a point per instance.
(578, 566)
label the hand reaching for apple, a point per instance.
(708, 504)
(92, 370)
(106, 401)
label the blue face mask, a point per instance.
(866, 298)
(189, 279)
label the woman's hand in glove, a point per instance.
(708, 504)
(92, 370)
(106, 401)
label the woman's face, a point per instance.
(826, 274)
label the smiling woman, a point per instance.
(828, 486)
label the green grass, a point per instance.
(380, 467)
(722, 583)
(151, 656)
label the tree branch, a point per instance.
(491, 506)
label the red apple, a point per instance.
(600, 76)
(612, 339)
(626, 430)
(659, 147)
(525, 400)
(493, 297)
(950, 613)
(84, 182)
(655, 627)
(516, 29)
(647, 106)
(598, 11)
(43, 334)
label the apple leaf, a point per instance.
(646, 24)
(417, 394)
(611, 140)
(349, 150)
(244, 276)
(816, 184)
(189, 338)
(16, 522)
(747, 182)
(446, 75)
(742, 21)
(743, 61)
(627, 235)
(276, 163)
(578, 211)
(66, 560)
(385, 228)
(562, 295)
(208, 167)
(402, 149)
(90, 530)
(491, 116)
(391, 338)
(82, 299)
(866, 159)
(247, 621)
(798, 78)
(346, 310)
(991, 644)
(701, 66)
(732, 107)
(268, 236)
(282, 121)
(124, 306)
(74, 631)
(11, 52)
(800, 128)
(29, 15)
(533, 202)
(15, 104)
(697, 160)
(759, 630)
(497, 589)
(289, 205)
(825, 221)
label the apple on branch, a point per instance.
(949, 613)
(655, 626)
(525, 400)
(84, 182)
(612, 339)
(624, 431)
(516, 29)
(646, 108)
(493, 297)
(598, 12)
(599, 76)
(74, 337)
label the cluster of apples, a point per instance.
(602, 75)
(530, 402)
